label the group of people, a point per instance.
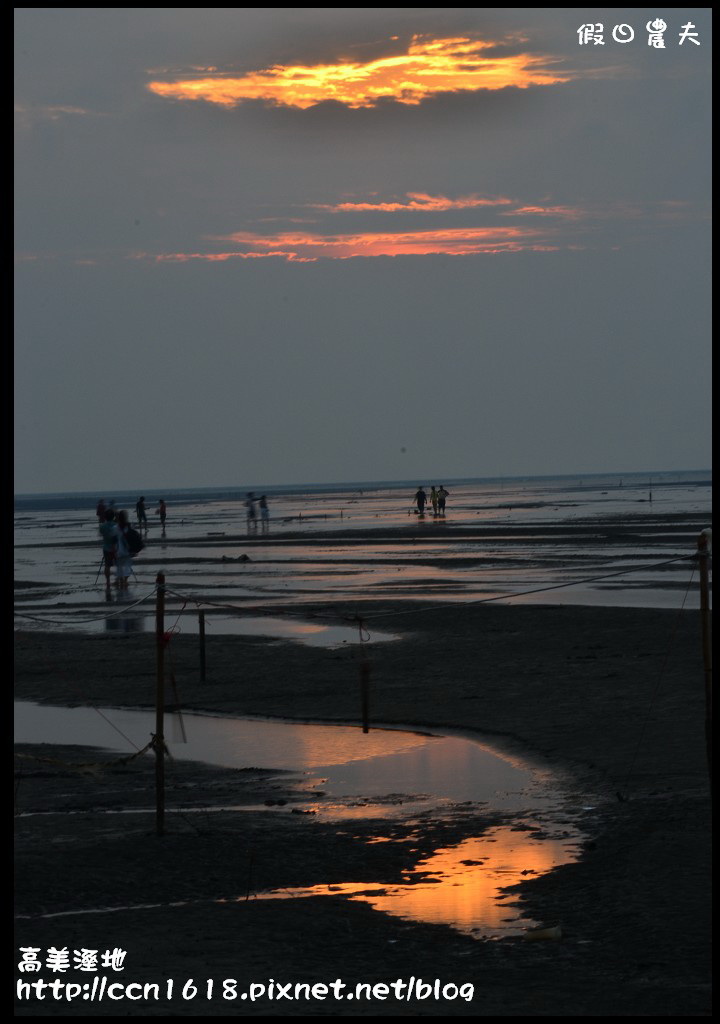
(141, 513)
(437, 500)
(114, 528)
(252, 515)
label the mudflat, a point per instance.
(613, 699)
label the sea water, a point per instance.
(595, 540)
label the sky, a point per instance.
(265, 246)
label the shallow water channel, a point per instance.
(385, 773)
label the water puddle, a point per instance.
(137, 620)
(386, 766)
(385, 773)
(462, 885)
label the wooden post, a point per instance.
(703, 560)
(365, 694)
(160, 706)
(201, 627)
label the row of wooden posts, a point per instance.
(161, 642)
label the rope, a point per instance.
(113, 726)
(361, 630)
(119, 611)
(364, 637)
(537, 590)
(167, 637)
(262, 610)
(88, 764)
(434, 607)
(90, 618)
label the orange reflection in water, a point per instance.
(311, 747)
(467, 882)
(429, 66)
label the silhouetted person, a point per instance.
(123, 558)
(442, 495)
(109, 533)
(264, 514)
(162, 512)
(141, 514)
(251, 512)
(420, 500)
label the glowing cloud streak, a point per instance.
(430, 66)
(545, 227)
(416, 201)
(29, 114)
(304, 247)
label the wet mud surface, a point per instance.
(610, 698)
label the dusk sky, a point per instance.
(264, 246)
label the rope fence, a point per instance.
(164, 637)
(263, 609)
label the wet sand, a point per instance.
(612, 698)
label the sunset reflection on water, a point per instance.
(463, 885)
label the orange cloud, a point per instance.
(430, 66)
(452, 241)
(570, 212)
(540, 227)
(599, 211)
(417, 201)
(220, 257)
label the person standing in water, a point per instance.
(123, 558)
(251, 512)
(442, 495)
(142, 519)
(420, 500)
(109, 533)
(264, 514)
(162, 512)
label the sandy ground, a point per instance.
(613, 698)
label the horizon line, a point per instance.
(412, 481)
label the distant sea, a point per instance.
(199, 495)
